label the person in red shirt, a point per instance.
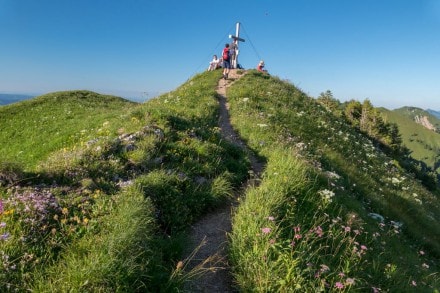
(226, 61)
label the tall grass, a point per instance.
(320, 235)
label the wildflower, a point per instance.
(4, 236)
(272, 241)
(297, 236)
(1, 206)
(349, 281)
(270, 218)
(2, 224)
(346, 229)
(339, 285)
(65, 211)
(363, 247)
(266, 230)
(421, 252)
(324, 268)
(425, 265)
(326, 194)
(318, 231)
(413, 283)
(376, 289)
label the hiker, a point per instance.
(233, 50)
(260, 67)
(226, 61)
(214, 64)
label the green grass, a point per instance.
(74, 226)
(97, 194)
(33, 129)
(319, 235)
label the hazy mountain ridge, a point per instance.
(6, 99)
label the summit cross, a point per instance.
(234, 46)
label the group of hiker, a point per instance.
(229, 58)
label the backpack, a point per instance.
(226, 54)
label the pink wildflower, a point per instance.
(339, 285)
(347, 229)
(349, 281)
(413, 283)
(318, 231)
(363, 247)
(266, 230)
(270, 218)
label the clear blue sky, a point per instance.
(384, 50)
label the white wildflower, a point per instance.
(326, 194)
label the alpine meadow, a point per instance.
(98, 194)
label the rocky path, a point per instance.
(209, 235)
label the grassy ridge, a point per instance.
(102, 206)
(106, 211)
(319, 233)
(34, 128)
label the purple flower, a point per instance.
(2, 224)
(4, 236)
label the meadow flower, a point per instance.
(270, 218)
(413, 283)
(2, 224)
(326, 194)
(266, 230)
(318, 231)
(339, 285)
(349, 281)
(421, 252)
(4, 236)
(425, 266)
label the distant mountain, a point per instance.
(434, 113)
(423, 117)
(423, 142)
(6, 99)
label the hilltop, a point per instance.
(98, 192)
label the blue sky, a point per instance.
(385, 50)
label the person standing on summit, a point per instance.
(226, 61)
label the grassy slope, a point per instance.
(300, 221)
(302, 144)
(423, 143)
(32, 129)
(170, 154)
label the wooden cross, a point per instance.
(234, 45)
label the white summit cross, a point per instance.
(234, 45)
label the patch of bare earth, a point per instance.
(209, 236)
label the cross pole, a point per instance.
(234, 45)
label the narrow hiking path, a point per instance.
(208, 236)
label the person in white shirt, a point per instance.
(214, 64)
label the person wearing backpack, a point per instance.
(226, 61)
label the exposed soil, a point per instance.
(209, 236)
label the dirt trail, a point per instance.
(209, 234)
